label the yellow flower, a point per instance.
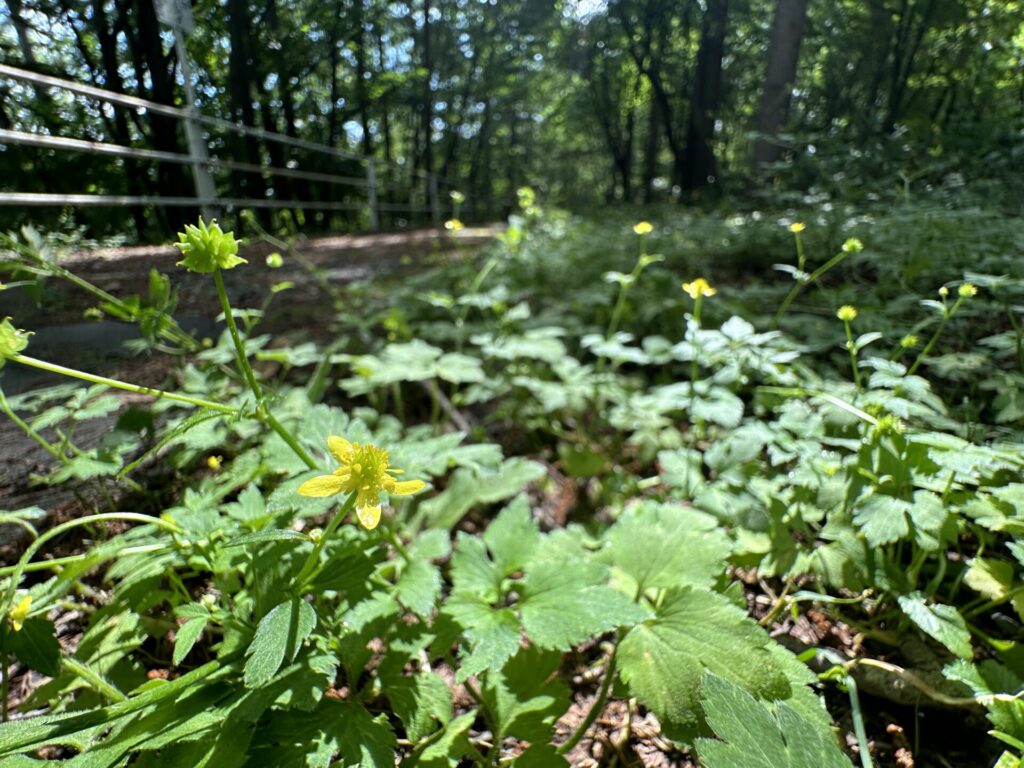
(643, 227)
(967, 290)
(847, 313)
(797, 227)
(699, 287)
(19, 613)
(363, 471)
(214, 462)
(454, 225)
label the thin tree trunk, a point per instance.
(700, 167)
(780, 74)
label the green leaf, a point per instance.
(540, 756)
(422, 702)
(882, 519)
(754, 736)
(994, 579)
(419, 587)
(942, 622)
(279, 636)
(662, 660)
(667, 545)
(35, 645)
(186, 637)
(526, 696)
(493, 635)
(561, 607)
(445, 751)
(513, 536)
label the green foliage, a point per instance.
(756, 735)
(625, 514)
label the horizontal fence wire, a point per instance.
(46, 198)
(134, 102)
(119, 150)
(64, 143)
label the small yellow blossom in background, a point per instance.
(908, 341)
(847, 313)
(643, 228)
(206, 248)
(853, 245)
(364, 471)
(699, 287)
(943, 291)
(214, 462)
(454, 225)
(797, 227)
(275, 260)
(967, 290)
(19, 613)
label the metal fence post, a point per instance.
(177, 14)
(371, 193)
(435, 206)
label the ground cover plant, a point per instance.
(737, 491)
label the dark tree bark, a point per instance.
(780, 74)
(700, 167)
(652, 145)
(240, 98)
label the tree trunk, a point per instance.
(780, 74)
(651, 147)
(700, 167)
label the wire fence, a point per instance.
(360, 194)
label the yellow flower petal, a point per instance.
(369, 516)
(407, 487)
(325, 485)
(19, 613)
(340, 448)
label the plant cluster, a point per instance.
(563, 495)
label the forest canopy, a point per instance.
(588, 102)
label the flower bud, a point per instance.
(207, 248)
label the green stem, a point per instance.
(236, 337)
(27, 429)
(858, 722)
(262, 412)
(19, 569)
(5, 683)
(309, 568)
(853, 354)
(57, 562)
(694, 367)
(117, 384)
(935, 337)
(99, 684)
(598, 706)
(829, 398)
(801, 284)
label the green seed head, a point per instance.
(12, 340)
(853, 245)
(207, 247)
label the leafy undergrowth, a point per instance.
(635, 524)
